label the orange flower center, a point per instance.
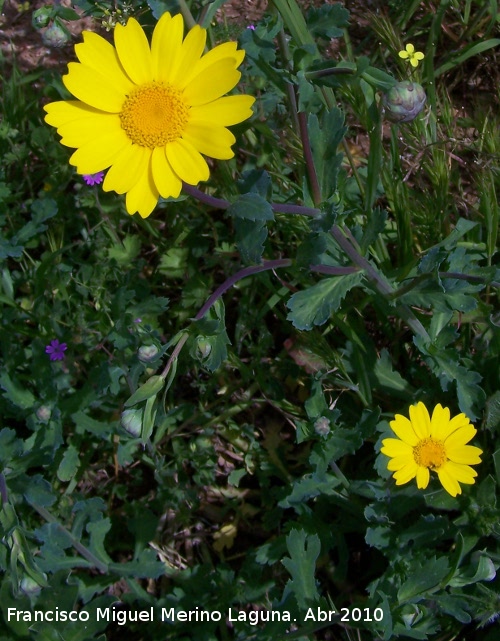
(154, 114)
(430, 453)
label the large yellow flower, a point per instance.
(437, 444)
(149, 113)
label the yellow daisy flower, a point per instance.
(148, 113)
(432, 443)
(411, 55)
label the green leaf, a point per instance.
(16, 394)
(85, 423)
(150, 388)
(314, 306)
(127, 251)
(69, 464)
(251, 206)
(467, 52)
(39, 492)
(325, 139)
(423, 579)
(328, 21)
(145, 566)
(303, 550)
(250, 238)
(481, 568)
(309, 487)
(211, 349)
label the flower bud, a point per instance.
(131, 421)
(43, 414)
(147, 353)
(203, 347)
(404, 101)
(55, 36)
(322, 426)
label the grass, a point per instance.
(211, 440)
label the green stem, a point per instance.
(186, 14)
(85, 552)
(379, 281)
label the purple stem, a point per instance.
(243, 273)
(220, 203)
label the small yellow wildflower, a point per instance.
(411, 55)
(437, 443)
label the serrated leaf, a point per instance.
(325, 139)
(69, 464)
(127, 251)
(250, 238)
(314, 306)
(423, 580)
(145, 566)
(251, 207)
(304, 551)
(86, 423)
(328, 21)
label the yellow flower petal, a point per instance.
(226, 111)
(98, 154)
(166, 180)
(410, 48)
(439, 422)
(210, 140)
(187, 163)
(395, 447)
(404, 55)
(133, 51)
(65, 111)
(227, 50)
(165, 47)
(420, 420)
(448, 481)
(466, 454)
(82, 131)
(461, 473)
(126, 169)
(423, 477)
(100, 55)
(143, 197)
(217, 80)
(403, 429)
(93, 88)
(460, 437)
(190, 53)
(406, 474)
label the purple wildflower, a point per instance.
(56, 350)
(94, 179)
(251, 27)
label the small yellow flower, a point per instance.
(437, 443)
(411, 55)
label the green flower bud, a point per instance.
(43, 414)
(203, 347)
(147, 353)
(404, 101)
(55, 36)
(29, 586)
(131, 421)
(322, 426)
